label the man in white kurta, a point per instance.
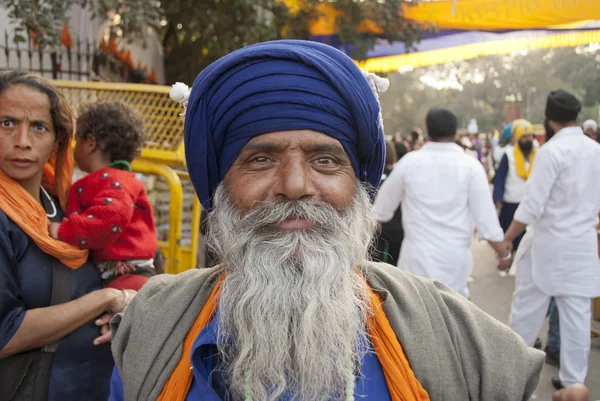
(441, 190)
(512, 174)
(559, 253)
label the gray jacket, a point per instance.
(457, 351)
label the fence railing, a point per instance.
(83, 62)
(161, 114)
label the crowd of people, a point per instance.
(285, 146)
(552, 208)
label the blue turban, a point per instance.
(280, 86)
(507, 132)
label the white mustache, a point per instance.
(278, 211)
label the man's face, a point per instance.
(292, 223)
(526, 143)
(291, 165)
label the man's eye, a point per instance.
(260, 159)
(39, 127)
(7, 123)
(325, 160)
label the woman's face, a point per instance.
(27, 136)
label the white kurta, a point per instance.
(559, 253)
(514, 186)
(441, 190)
(561, 204)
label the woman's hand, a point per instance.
(119, 300)
(105, 333)
(42, 326)
(118, 304)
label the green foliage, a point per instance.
(482, 88)
(136, 16)
(198, 33)
(387, 16)
(45, 18)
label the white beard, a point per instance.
(292, 304)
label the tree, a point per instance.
(43, 19)
(198, 33)
(195, 33)
(482, 88)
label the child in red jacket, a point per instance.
(108, 210)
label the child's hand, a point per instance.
(53, 229)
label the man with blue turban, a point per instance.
(284, 145)
(500, 145)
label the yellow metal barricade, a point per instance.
(162, 154)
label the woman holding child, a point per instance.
(51, 298)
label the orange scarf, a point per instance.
(400, 379)
(31, 217)
(179, 383)
(58, 174)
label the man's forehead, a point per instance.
(306, 140)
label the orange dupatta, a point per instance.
(401, 381)
(31, 217)
(179, 383)
(58, 174)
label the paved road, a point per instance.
(493, 294)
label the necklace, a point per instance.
(349, 390)
(53, 214)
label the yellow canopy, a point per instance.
(470, 51)
(477, 15)
(503, 14)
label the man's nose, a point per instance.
(295, 180)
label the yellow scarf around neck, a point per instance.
(520, 165)
(520, 128)
(401, 381)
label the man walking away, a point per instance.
(558, 256)
(441, 189)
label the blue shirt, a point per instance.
(500, 180)
(370, 385)
(80, 370)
